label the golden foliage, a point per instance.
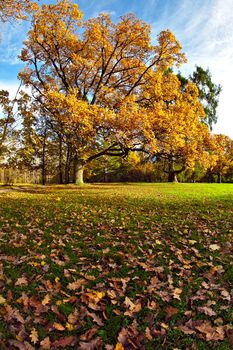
(16, 9)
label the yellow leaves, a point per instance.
(176, 293)
(18, 9)
(119, 346)
(214, 247)
(58, 326)
(69, 326)
(148, 334)
(46, 299)
(93, 297)
(34, 336)
(192, 241)
(169, 50)
(2, 300)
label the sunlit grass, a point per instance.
(116, 239)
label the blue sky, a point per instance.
(204, 28)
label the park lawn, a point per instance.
(116, 266)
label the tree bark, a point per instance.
(60, 161)
(172, 176)
(78, 171)
(67, 165)
(219, 178)
(43, 163)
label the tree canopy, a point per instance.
(103, 88)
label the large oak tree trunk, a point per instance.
(43, 161)
(60, 161)
(172, 176)
(78, 172)
(67, 165)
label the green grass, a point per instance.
(136, 250)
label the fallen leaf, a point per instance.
(186, 330)
(214, 247)
(148, 334)
(64, 342)
(206, 310)
(58, 326)
(230, 335)
(34, 336)
(92, 345)
(226, 295)
(46, 300)
(88, 334)
(176, 293)
(76, 285)
(22, 281)
(2, 300)
(73, 317)
(211, 333)
(45, 344)
(17, 344)
(95, 318)
(171, 311)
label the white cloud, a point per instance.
(10, 86)
(205, 29)
(12, 36)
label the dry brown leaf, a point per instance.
(64, 342)
(211, 333)
(95, 318)
(58, 326)
(73, 317)
(88, 334)
(186, 330)
(92, 345)
(76, 284)
(17, 344)
(45, 344)
(230, 335)
(22, 281)
(171, 311)
(206, 310)
(129, 303)
(225, 295)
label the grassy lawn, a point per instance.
(136, 266)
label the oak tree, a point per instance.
(85, 74)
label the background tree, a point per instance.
(8, 123)
(208, 93)
(222, 155)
